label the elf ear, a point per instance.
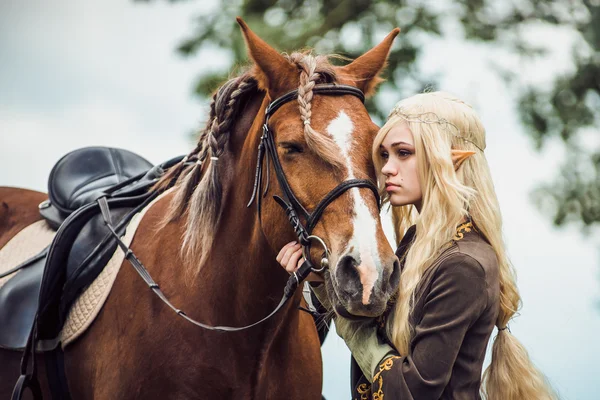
(458, 156)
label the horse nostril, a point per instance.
(347, 275)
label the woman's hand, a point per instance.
(290, 258)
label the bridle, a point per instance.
(288, 201)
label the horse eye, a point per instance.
(291, 148)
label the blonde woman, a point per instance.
(457, 283)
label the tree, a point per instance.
(568, 109)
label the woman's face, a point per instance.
(400, 169)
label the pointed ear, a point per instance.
(366, 68)
(273, 72)
(458, 156)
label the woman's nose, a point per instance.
(388, 169)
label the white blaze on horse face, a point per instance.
(363, 244)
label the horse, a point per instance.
(213, 254)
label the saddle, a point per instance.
(83, 175)
(48, 283)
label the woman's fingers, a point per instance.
(294, 261)
(289, 254)
(283, 252)
(291, 258)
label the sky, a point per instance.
(77, 73)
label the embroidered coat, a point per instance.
(455, 311)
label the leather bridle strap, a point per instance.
(334, 194)
(292, 206)
(327, 88)
(289, 289)
(288, 201)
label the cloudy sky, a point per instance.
(78, 73)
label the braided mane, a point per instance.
(198, 190)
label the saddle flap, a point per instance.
(77, 255)
(18, 305)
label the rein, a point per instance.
(289, 202)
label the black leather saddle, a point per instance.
(50, 282)
(83, 175)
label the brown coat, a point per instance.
(453, 317)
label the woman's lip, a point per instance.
(391, 186)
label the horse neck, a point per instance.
(241, 262)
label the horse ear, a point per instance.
(366, 68)
(273, 72)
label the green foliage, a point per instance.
(566, 109)
(289, 25)
(562, 110)
(574, 194)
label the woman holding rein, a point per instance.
(456, 283)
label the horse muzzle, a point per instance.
(361, 289)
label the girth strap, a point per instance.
(28, 377)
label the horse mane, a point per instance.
(197, 188)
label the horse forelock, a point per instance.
(315, 70)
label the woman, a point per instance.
(456, 282)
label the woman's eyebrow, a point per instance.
(396, 144)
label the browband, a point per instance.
(329, 88)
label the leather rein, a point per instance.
(288, 201)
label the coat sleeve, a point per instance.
(456, 298)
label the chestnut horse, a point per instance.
(214, 257)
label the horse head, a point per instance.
(320, 141)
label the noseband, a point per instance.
(288, 201)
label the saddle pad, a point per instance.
(88, 305)
(24, 245)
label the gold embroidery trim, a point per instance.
(378, 395)
(386, 365)
(466, 227)
(364, 389)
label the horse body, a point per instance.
(18, 209)
(166, 357)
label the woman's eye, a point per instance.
(384, 155)
(403, 153)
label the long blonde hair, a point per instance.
(440, 122)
